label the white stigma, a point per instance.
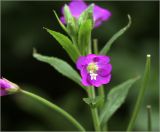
(93, 75)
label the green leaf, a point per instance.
(141, 93)
(61, 66)
(66, 43)
(93, 102)
(60, 23)
(86, 14)
(84, 36)
(115, 99)
(108, 45)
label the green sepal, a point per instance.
(84, 36)
(71, 22)
(67, 14)
(94, 102)
(86, 14)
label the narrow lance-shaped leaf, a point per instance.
(115, 99)
(108, 45)
(61, 66)
(60, 23)
(141, 93)
(84, 36)
(66, 43)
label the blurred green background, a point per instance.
(21, 31)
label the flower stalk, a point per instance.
(54, 107)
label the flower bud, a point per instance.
(80, 10)
(7, 87)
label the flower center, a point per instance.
(92, 69)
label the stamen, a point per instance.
(92, 67)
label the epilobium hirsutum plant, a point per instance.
(78, 20)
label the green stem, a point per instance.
(95, 46)
(100, 89)
(89, 48)
(141, 94)
(54, 107)
(102, 94)
(149, 118)
(94, 111)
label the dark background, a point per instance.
(21, 31)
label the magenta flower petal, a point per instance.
(85, 77)
(90, 58)
(78, 6)
(100, 15)
(100, 80)
(104, 70)
(4, 84)
(95, 69)
(102, 59)
(63, 19)
(7, 87)
(3, 92)
(81, 62)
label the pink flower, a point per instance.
(7, 87)
(95, 69)
(78, 6)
